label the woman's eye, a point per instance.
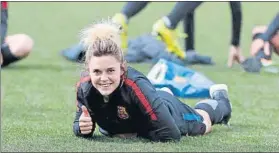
(96, 72)
(110, 71)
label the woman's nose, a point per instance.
(104, 77)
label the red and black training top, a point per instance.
(134, 107)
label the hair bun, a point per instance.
(104, 30)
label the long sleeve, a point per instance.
(161, 125)
(236, 22)
(79, 103)
(272, 29)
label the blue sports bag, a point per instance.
(182, 81)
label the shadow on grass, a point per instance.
(105, 139)
(102, 138)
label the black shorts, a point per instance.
(4, 24)
(186, 118)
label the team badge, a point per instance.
(122, 113)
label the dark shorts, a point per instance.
(186, 118)
(4, 24)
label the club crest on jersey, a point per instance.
(122, 113)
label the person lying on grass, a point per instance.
(124, 103)
(266, 38)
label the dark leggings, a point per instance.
(186, 118)
(189, 25)
(132, 8)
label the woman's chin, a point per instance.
(105, 92)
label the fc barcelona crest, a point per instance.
(122, 113)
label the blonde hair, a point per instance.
(102, 38)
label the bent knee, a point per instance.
(28, 43)
(275, 40)
(259, 29)
(20, 44)
(206, 120)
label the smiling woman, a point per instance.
(102, 46)
(123, 102)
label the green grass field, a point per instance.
(38, 94)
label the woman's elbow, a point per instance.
(175, 135)
(172, 135)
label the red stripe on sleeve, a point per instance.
(142, 98)
(84, 79)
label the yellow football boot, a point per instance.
(120, 18)
(169, 37)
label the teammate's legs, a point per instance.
(15, 48)
(192, 56)
(236, 14)
(189, 28)
(133, 8)
(180, 10)
(4, 24)
(268, 47)
(129, 10)
(165, 27)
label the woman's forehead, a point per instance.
(103, 62)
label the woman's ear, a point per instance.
(123, 67)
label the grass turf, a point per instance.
(38, 94)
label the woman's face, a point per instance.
(105, 73)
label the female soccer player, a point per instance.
(123, 102)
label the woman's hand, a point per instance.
(85, 121)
